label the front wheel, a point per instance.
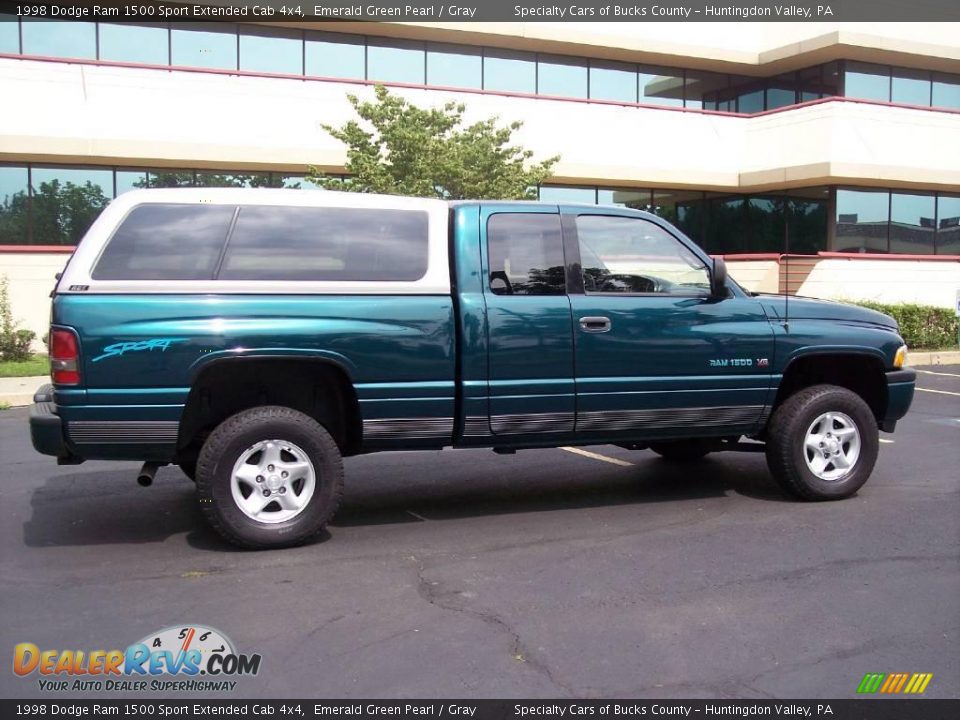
(269, 477)
(822, 443)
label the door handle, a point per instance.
(595, 324)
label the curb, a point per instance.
(18, 392)
(937, 357)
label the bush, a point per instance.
(14, 341)
(922, 326)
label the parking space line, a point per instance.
(939, 392)
(932, 372)
(598, 456)
(887, 442)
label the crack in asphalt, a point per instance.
(435, 595)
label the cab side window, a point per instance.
(631, 255)
(525, 254)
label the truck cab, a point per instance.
(257, 337)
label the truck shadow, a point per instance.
(107, 507)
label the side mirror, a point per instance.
(718, 279)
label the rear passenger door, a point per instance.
(529, 330)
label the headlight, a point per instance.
(900, 359)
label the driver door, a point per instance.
(654, 353)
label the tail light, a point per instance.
(64, 357)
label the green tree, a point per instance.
(398, 148)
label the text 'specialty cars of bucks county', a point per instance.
(257, 337)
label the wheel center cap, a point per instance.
(273, 482)
(832, 445)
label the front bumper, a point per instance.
(900, 388)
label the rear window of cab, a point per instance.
(256, 242)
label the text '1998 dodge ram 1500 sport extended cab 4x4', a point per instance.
(256, 337)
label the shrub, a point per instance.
(922, 326)
(14, 341)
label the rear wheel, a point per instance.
(822, 443)
(269, 477)
(682, 450)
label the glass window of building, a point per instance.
(637, 199)
(271, 50)
(683, 208)
(946, 91)
(912, 223)
(702, 89)
(205, 178)
(454, 66)
(867, 82)
(59, 38)
(750, 102)
(66, 201)
(613, 81)
(14, 202)
(780, 96)
(831, 77)
(335, 56)
(660, 86)
(135, 43)
(568, 194)
(9, 34)
(167, 178)
(910, 87)
(725, 226)
(948, 225)
(862, 221)
(507, 71)
(396, 61)
(807, 220)
(561, 77)
(126, 180)
(205, 45)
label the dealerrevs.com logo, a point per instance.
(177, 658)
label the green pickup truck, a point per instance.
(257, 337)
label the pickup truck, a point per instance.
(257, 337)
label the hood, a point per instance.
(802, 308)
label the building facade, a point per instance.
(836, 142)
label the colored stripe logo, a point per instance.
(895, 683)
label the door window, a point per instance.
(629, 255)
(525, 254)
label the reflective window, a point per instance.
(946, 91)
(271, 50)
(525, 253)
(661, 86)
(628, 255)
(613, 81)
(561, 194)
(127, 180)
(726, 228)
(170, 178)
(910, 87)
(13, 205)
(948, 225)
(9, 34)
(396, 62)
(293, 243)
(166, 242)
(780, 97)
(509, 72)
(912, 223)
(702, 89)
(335, 56)
(454, 66)
(205, 45)
(563, 77)
(683, 208)
(807, 221)
(244, 180)
(869, 82)
(135, 43)
(60, 38)
(66, 201)
(862, 219)
(637, 199)
(750, 102)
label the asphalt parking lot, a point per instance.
(548, 573)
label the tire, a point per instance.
(681, 450)
(241, 486)
(827, 414)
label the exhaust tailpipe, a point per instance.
(147, 473)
